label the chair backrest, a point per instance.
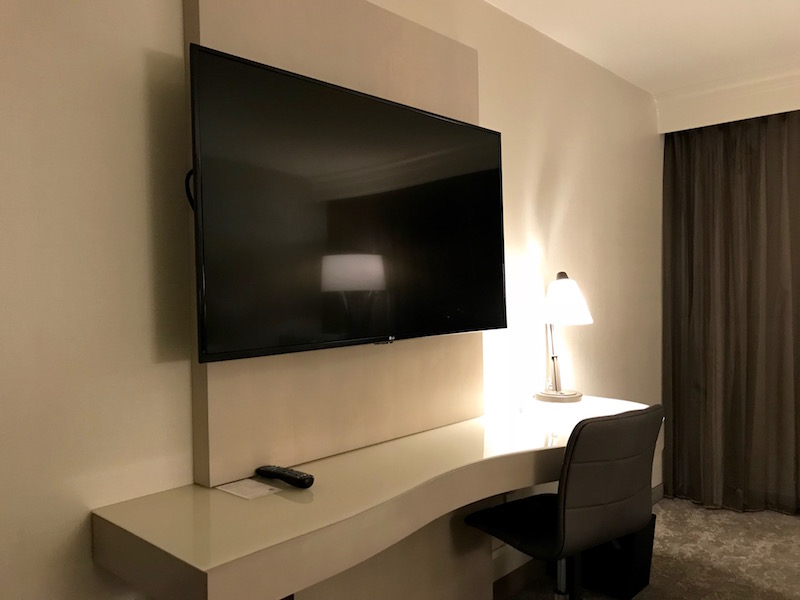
(604, 490)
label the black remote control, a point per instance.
(290, 476)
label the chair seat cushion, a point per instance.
(530, 525)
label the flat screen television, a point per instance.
(326, 217)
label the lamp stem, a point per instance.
(554, 359)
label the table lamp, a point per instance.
(357, 278)
(564, 305)
(353, 272)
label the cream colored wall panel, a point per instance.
(351, 43)
(297, 407)
(294, 408)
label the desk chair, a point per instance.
(603, 494)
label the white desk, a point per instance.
(194, 542)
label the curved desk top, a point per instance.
(206, 543)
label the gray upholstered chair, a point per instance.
(604, 494)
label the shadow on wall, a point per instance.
(170, 214)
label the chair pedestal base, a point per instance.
(620, 569)
(569, 578)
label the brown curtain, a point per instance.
(732, 314)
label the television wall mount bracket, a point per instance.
(188, 188)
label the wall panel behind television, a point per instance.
(294, 408)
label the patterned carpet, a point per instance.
(708, 554)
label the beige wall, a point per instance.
(94, 253)
(582, 193)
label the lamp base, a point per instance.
(559, 396)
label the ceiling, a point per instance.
(674, 47)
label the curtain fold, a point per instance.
(732, 314)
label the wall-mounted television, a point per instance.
(326, 217)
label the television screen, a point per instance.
(326, 217)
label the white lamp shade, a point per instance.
(353, 272)
(565, 305)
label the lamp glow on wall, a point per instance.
(564, 305)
